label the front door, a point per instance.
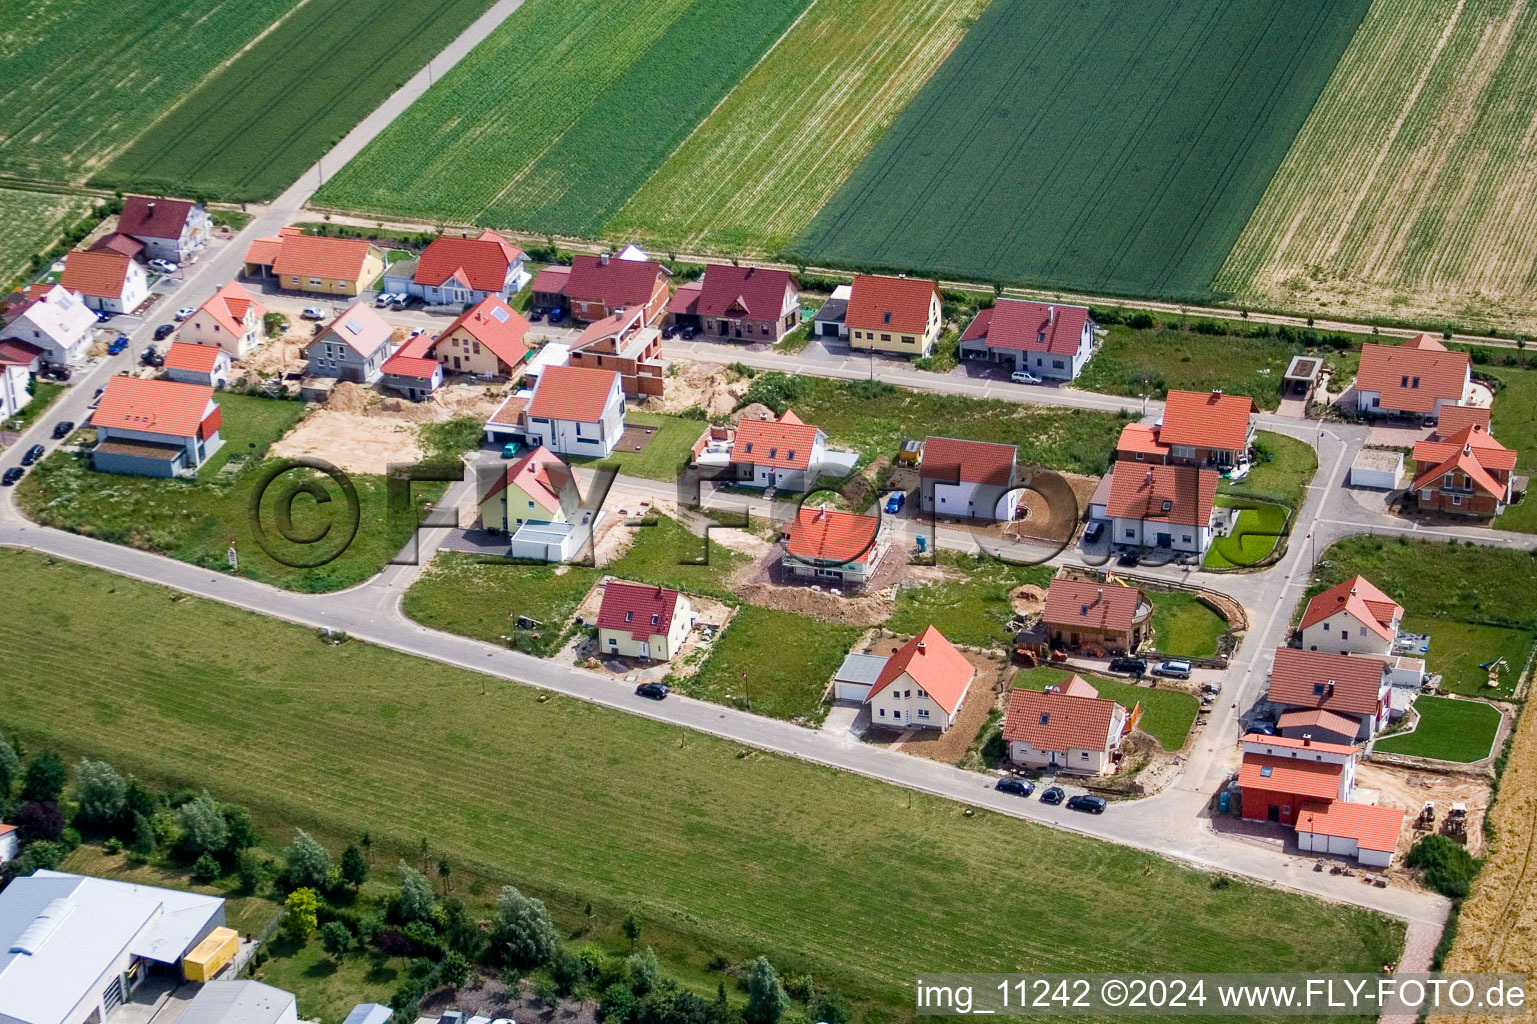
(725, 328)
(1274, 813)
(645, 649)
(1165, 540)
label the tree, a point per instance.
(251, 869)
(831, 1008)
(102, 793)
(525, 936)
(10, 768)
(645, 972)
(335, 939)
(203, 827)
(445, 872)
(767, 999)
(307, 862)
(138, 799)
(417, 900)
(242, 830)
(615, 1004)
(631, 929)
(206, 869)
(301, 912)
(565, 971)
(40, 820)
(144, 838)
(45, 778)
(454, 969)
(354, 868)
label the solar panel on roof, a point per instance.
(500, 314)
(352, 325)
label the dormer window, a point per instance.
(629, 616)
(885, 318)
(655, 618)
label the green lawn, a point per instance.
(1254, 537)
(973, 609)
(664, 456)
(35, 222)
(1153, 361)
(1451, 730)
(44, 394)
(1183, 626)
(327, 989)
(1281, 474)
(467, 594)
(1514, 424)
(778, 663)
(716, 854)
(1167, 715)
(1459, 650)
(197, 520)
(246, 914)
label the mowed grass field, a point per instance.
(34, 222)
(714, 852)
(1100, 145)
(558, 117)
(1408, 192)
(1452, 730)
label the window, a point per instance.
(1363, 630)
(765, 329)
(773, 453)
(1139, 456)
(921, 693)
(1318, 689)
(316, 282)
(1416, 383)
(1266, 771)
(885, 337)
(530, 504)
(1130, 532)
(883, 712)
(1456, 499)
(629, 616)
(923, 712)
(1403, 381)
(747, 447)
(1045, 718)
(907, 693)
(612, 642)
(477, 348)
(1058, 364)
(1040, 337)
(909, 339)
(1326, 627)
(655, 618)
(885, 318)
(1084, 756)
(790, 454)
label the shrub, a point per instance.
(40, 820)
(1449, 868)
(776, 390)
(307, 862)
(112, 846)
(40, 855)
(615, 1005)
(1141, 321)
(206, 869)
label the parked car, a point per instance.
(652, 691)
(33, 454)
(1053, 795)
(1092, 531)
(1087, 804)
(1131, 666)
(535, 315)
(1024, 377)
(1263, 728)
(1018, 787)
(164, 331)
(62, 429)
(95, 399)
(12, 475)
(688, 332)
(151, 357)
(399, 300)
(895, 502)
(102, 316)
(510, 450)
(1211, 688)
(184, 312)
(55, 371)
(1128, 559)
(555, 314)
(163, 266)
(313, 313)
(1174, 668)
(670, 331)
(382, 301)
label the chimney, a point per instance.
(1307, 739)
(603, 259)
(920, 646)
(1051, 315)
(1467, 449)
(149, 207)
(1352, 591)
(1150, 474)
(1329, 690)
(1099, 594)
(1216, 392)
(821, 515)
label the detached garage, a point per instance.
(1363, 831)
(1377, 469)
(855, 676)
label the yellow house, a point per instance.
(537, 488)
(312, 263)
(486, 340)
(638, 620)
(894, 314)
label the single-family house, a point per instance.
(1050, 340)
(353, 347)
(460, 271)
(411, 371)
(922, 685)
(832, 547)
(486, 340)
(958, 477)
(1081, 613)
(169, 229)
(1278, 773)
(155, 427)
(640, 620)
(1065, 728)
(625, 344)
(316, 263)
(894, 314)
(786, 454)
(1207, 428)
(1351, 685)
(1417, 379)
(1171, 507)
(538, 487)
(747, 303)
(576, 411)
(1351, 617)
(1466, 472)
(197, 364)
(240, 1001)
(15, 375)
(57, 321)
(232, 320)
(106, 281)
(600, 286)
(831, 318)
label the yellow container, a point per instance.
(209, 956)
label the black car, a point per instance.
(1087, 804)
(1093, 530)
(1019, 787)
(1129, 560)
(62, 428)
(1131, 666)
(164, 331)
(151, 357)
(12, 475)
(535, 315)
(670, 331)
(688, 332)
(54, 371)
(1053, 795)
(33, 454)
(654, 691)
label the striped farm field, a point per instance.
(34, 222)
(1100, 145)
(761, 166)
(558, 117)
(1412, 189)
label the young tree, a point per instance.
(242, 830)
(144, 838)
(512, 982)
(307, 862)
(445, 872)
(525, 936)
(631, 929)
(204, 829)
(138, 799)
(645, 972)
(251, 869)
(102, 793)
(417, 900)
(766, 997)
(335, 939)
(206, 869)
(45, 778)
(454, 969)
(831, 1008)
(300, 913)
(354, 868)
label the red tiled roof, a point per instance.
(118, 242)
(1298, 743)
(1297, 676)
(153, 406)
(1372, 827)
(1362, 599)
(483, 260)
(263, 251)
(1206, 419)
(685, 301)
(879, 303)
(1410, 377)
(784, 443)
(228, 307)
(340, 259)
(614, 283)
(744, 291)
(641, 608)
(1141, 437)
(360, 328)
(1317, 779)
(1317, 718)
(1489, 452)
(1469, 462)
(154, 218)
(495, 325)
(934, 664)
(540, 473)
(1071, 602)
(16, 352)
(572, 393)
(184, 355)
(615, 325)
(1058, 721)
(7, 829)
(1182, 495)
(832, 535)
(1454, 417)
(1017, 325)
(97, 273)
(979, 462)
(403, 365)
(552, 280)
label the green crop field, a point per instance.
(553, 121)
(1408, 192)
(34, 222)
(1101, 145)
(253, 127)
(714, 850)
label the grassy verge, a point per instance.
(1155, 360)
(665, 456)
(795, 340)
(1182, 625)
(481, 598)
(1167, 715)
(1451, 730)
(44, 394)
(1254, 536)
(972, 608)
(773, 663)
(1281, 474)
(1514, 424)
(716, 854)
